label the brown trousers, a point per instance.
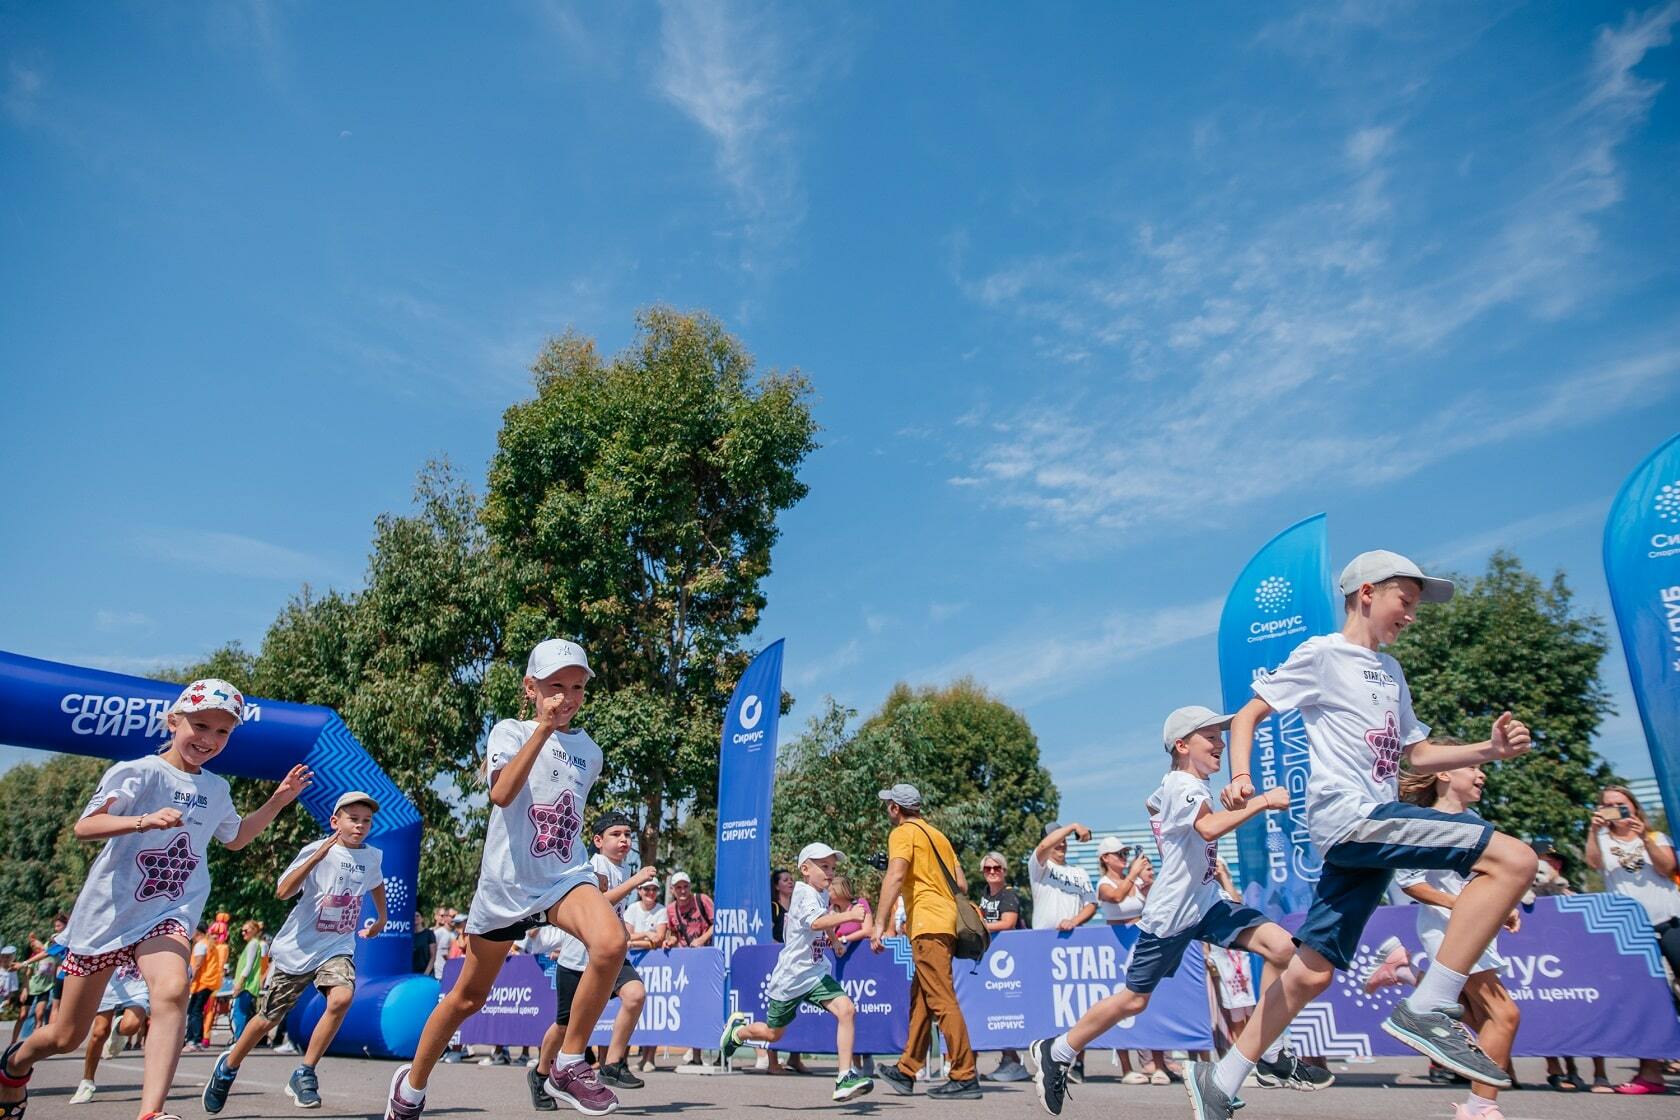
(934, 996)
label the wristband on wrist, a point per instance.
(1241, 774)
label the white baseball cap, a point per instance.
(1187, 721)
(554, 654)
(1109, 845)
(903, 794)
(818, 850)
(1374, 567)
(679, 877)
(9, 951)
(211, 694)
(355, 796)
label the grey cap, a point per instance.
(9, 951)
(903, 794)
(1374, 567)
(1187, 721)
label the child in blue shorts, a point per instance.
(1357, 712)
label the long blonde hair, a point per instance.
(1638, 809)
(1422, 789)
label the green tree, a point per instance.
(42, 864)
(1509, 641)
(635, 502)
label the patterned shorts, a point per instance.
(76, 964)
(282, 989)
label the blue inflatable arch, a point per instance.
(54, 707)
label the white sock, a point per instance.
(1275, 1050)
(410, 1092)
(1477, 1105)
(1062, 1051)
(561, 1061)
(1231, 1071)
(1439, 988)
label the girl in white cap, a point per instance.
(147, 888)
(802, 974)
(535, 872)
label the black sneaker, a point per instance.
(897, 1078)
(954, 1090)
(1076, 1072)
(618, 1075)
(1290, 1072)
(1050, 1076)
(540, 1100)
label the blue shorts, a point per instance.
(1392, 837)
(1156, 958)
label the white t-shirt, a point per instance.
(641, 920)
(442, 939)
(1128, 909)
(1058, 891)
(141, 878)
(1185, 887)
(1628, 871)
(1358, 716)
(323, 923)
(572, 953)
(1432, 920)
(126, 988)
(533, 849)
(542, 940)
(802, 963)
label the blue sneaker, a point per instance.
(220, 1084)
(302, 1087)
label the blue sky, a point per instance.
(1095, 299)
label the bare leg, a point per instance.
(483, 962)
(1299, 982)
(550, 1046)
(1494, 1016)
(630, 1000)
(1501, 876)
(326, 1028)
(1277, 949)
(63, 1031)
(585, 914)
(845, 1016)
(1104, 1014)
(163, 964)
(256, 1027)
(96, 1043)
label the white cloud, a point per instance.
(810, 672)
(1482, 544)
(120, 620)
(944, 612)
(23, 92)
(238, 555)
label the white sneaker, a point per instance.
(286, 1047)
(115, 1044)
(84, 1093)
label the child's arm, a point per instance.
(378, 912)
(1211, 825)
(1430, 896)
(506, 783)
(1510, 738)
(292, 882)
(838, 918)
(101, 825)
(295, 782)
(1241, 786)
(628, 887)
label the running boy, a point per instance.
(1185, 905)
(801, 974)
(1357, 711)
(535, 871)
(144, 894)
(612, 834)
(315, 947)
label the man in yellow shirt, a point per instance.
(915, 852)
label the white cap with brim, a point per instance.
(1110, 845)
(554, 654)
(354, 797)
(679, 877)
(818, 850)
(904, 795)
(1185, 722)
(211, 693)
(9, 951)
(1374, 567)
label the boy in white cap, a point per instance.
(145, 893)
(535, 872)
(315, 947)
(1357, 712)
(1185, 905)
(802, 974)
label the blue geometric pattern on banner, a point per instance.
(1314, 1031)
(337, 752)
(1622, 918)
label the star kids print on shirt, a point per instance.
(141, 878)
(533, 848)
(323, 923)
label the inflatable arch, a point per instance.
(54, 707)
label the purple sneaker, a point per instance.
(577, 1086)
(399, 1107)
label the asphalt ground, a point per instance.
(1388, 1089)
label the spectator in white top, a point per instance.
(645, 917)
(1119, 891)
(1062, 895)
(1639, 863)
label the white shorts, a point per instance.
(123, 992)
(1232, 976)
(1431, 928)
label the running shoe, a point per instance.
(302, 1087)
(852, 1084)
(220, 1084)
(1440, 1036)
(1207, 1100)
(1008, 1071)
(954, 1090)
(1050, 1078)
(618, 1076)
(1394, 967)
(577, 1086)
(84, 1092)
(399, 1107)
(727, 1043)
(115, 1043)
(540, 1100)
(1491, 1112)
(902, 1083)
(1292, 1073)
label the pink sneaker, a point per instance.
(1636, 1086)
(1465, 1112)
(576, 1085)
(1395, 969)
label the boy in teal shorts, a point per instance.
(801, 974)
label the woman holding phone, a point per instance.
(1639, 863)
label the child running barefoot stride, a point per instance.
(535, 872)
(1357, 712)
(1488, 1007)
(145, 892)
(316, 947)
(1185, 905)
(801, 974)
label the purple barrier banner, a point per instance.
(878, 984)
(1584, 970)
(518, 1011)
(1033, 984)
(684, 999)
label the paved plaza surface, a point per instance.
(1388, 1089)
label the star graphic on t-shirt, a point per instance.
(166, 869)
(557, 826)
(1385, 749)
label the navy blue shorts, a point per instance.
(1392, 837)
(1156, 958)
